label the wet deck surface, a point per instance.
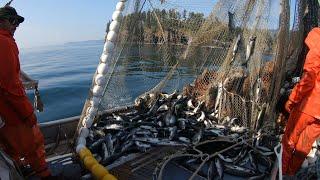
(66, 168)
(142, 167)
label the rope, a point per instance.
(204, 157)
(173, 157)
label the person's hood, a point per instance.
(313, 39)
(313, 42)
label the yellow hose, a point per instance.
(97, 170)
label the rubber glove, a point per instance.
(289, 106)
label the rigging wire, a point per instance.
(8, 3)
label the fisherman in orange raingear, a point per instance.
(20, 136)
(303, 126)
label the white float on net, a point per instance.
(112, 36)
(87, 121)
(120, 6)
(114, 26)
(102, 68)
(94, 102)
(97, 91)
(81, 140)
(105, 57)
(117, 16)
(108, 47)
(100, 79)
(84, 132)
(92, 110)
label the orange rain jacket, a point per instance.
(306, 94)
(15, 107)
(10, 65)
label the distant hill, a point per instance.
(88, 42)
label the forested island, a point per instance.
(176, 27)
(156, 26)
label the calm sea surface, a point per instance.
(65, 74)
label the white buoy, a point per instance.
(112, 36)
(84, 132)
(305, 164)
(100, 80)
(94, 102)
(114, 26)
(102, 68)
(108, 47)
(92, 110)
(79, 147)
(82, 140)
(88, 121)
(91, 116)
(97, 91)
(117, 16)
(105, 57)
(120, 6)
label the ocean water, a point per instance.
(64, 73)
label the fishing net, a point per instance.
(229, 55)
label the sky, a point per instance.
(50, 22)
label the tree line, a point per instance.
(159, 25)
(156, 26)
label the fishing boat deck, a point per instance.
(139, 166)
(65, 167)
(142, 167)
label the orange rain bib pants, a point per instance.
(22, 140)
(303, 126)
(301, 131)
(20, 137)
